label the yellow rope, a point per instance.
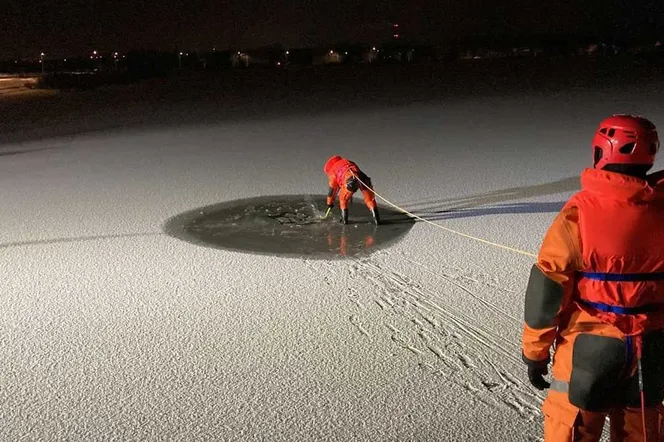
(465, 235)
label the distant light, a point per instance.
(346, 53)
(94, 52)
(396, 35)
(214, 49)
(396, 25)
(374, 48)
(91, 57)
(181, 53)
(238, 52)
(42, 54)
(287, 52)
(278, 63)
(65, 59)
(331, 52)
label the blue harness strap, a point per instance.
(623, 277)
(649, 308)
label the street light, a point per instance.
(180, 60)
(41, 60)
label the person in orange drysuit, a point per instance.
(596, 296)
(345, 178)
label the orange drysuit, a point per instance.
(596, 295)
(345, 178)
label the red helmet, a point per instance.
(625, 139)
(330, 163)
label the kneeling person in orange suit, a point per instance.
(345, 178)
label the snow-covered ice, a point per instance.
(112, 330)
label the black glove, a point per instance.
(536, 372)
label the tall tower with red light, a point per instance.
(396, 31)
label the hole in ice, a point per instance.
(289, 225)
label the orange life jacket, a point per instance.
(340, 170)
(621, 225)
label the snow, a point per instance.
(112, 330)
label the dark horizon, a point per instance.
(33, 26)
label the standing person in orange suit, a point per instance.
(345, 178)
(596, 296)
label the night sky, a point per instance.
(66, 27)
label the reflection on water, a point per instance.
(344, 241)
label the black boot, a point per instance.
(344, 216)
(376, 215)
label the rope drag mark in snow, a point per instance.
(447, 229)
(452, 281)
(463, 347)
(445, 340)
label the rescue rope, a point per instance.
(522, 252)
(447, 229)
